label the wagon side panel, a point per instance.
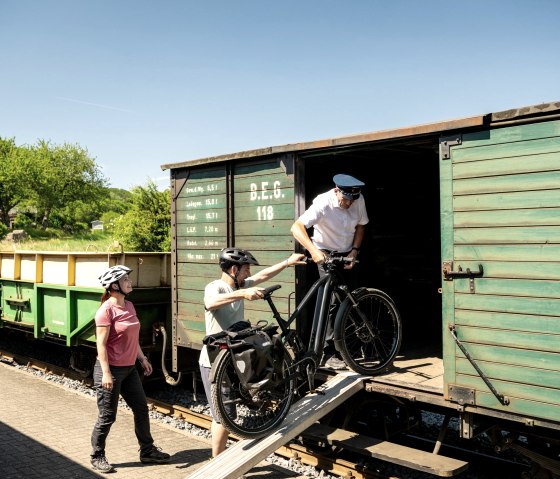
(501, 192)
(245, 204)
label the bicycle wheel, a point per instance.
(368, 336)
(250, 413)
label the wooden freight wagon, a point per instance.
(464, 234)
(53, 295)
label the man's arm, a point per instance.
(216, 301)
(299, 232)
(358, 237)
(273, 270)
(356, 244)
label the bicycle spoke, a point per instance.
(246, 412)
(369, 347)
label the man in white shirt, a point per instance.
(338, 218)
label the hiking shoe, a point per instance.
(155, 455)
(100, 463)
(335, 363)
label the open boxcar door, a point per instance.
(500, 220)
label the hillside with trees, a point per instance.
(51, 190)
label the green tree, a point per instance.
(15, 176)
(79, 214)
(118, 200)
(3, 230)
(146, 225)
(64, 175)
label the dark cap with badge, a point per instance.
(349, 186)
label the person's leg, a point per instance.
(219, 433)
(133, 393)
(331, 358)
(219, 438)
(107, 404)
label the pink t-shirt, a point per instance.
(124, 332)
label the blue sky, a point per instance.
(145, 83)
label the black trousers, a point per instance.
(127, 383)
(349, 278)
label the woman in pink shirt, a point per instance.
(117, 337)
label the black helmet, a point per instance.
(231, 256)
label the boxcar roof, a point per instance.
(543, 109)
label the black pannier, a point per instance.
(253, 360)
(253, 352)
(214, 341)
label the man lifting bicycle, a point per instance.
(338, 218)
(224, 306)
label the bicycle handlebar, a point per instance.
(332, 258)
(340, 259)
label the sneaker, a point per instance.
(155, 455)
(335, 363)
(100, 463)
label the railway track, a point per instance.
(295, 453)
(351, 466)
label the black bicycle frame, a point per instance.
(323, 288)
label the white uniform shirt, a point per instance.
(224, 317)
(334, 227)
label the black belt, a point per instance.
(341, 253)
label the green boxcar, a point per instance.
(446, 200)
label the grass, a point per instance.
(55, 240)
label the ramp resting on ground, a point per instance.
(244, 455)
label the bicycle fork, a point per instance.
(372, 331)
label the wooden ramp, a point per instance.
(246, 454)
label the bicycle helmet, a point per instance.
(235, 256)
(113, 274)
(231, 256)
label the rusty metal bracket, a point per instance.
(466, 425)
(446, 269)
(449, 274)
(461, 395)
(447, 142)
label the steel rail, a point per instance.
(293, 452)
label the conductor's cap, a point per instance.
(349, 187)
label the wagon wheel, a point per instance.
(82, 362)
(336, 418)
(381, 418)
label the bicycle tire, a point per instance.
(249, 415)
(364, 352)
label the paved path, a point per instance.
(45, 433)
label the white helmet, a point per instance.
(113, 274)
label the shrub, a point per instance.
(3, 230)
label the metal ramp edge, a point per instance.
(242, 456)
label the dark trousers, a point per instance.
(349, 277)
(127, 383)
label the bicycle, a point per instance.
(256, 371)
